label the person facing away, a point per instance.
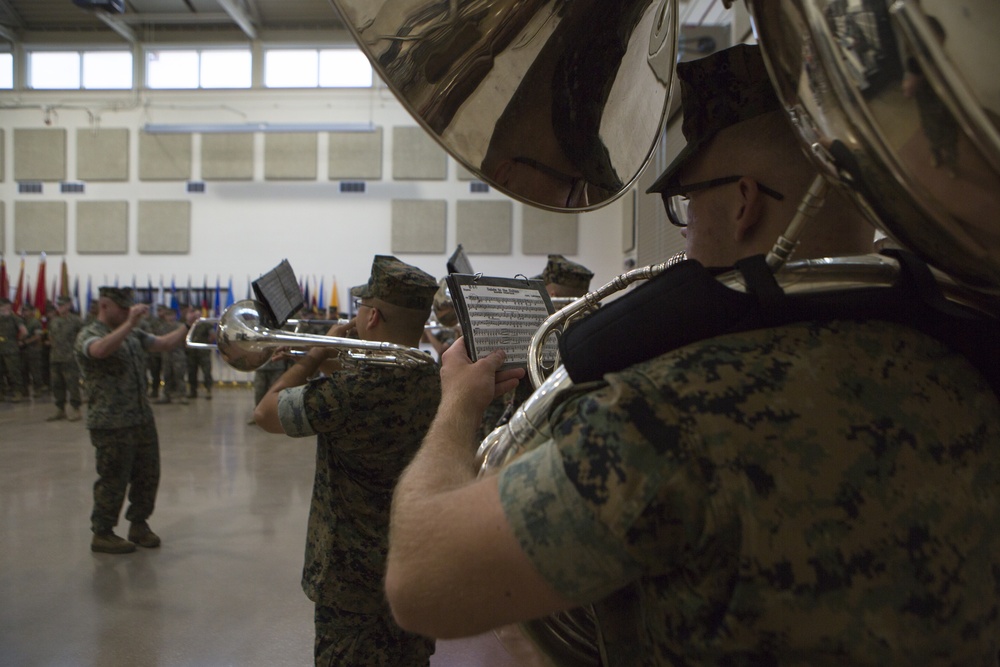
(63, 371)
(200, 359)
(12, 331)
(819, 493)
(369, 421)
(174, 360)
(111, 352)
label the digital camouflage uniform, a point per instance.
(122, 429)
(11, 375)
(814, 494)
(63, 370)
(154, 362)
(32, 359)
(370, 423)
(174, 363)
(200, 359)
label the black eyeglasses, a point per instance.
(577, 186)
(358, 303)
(675, 197)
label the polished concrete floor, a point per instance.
(224, 587)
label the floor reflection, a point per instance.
(224, 587)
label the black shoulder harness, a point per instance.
(686, 304)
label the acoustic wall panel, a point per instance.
(485, 227)
(40, 226)
(463, 173)
(291, 156)
(102, 227)
(419, 225)
(164, 227)
(102, 155)
(356, 156)
(416, 156)
(3, 229)
(545, 232)
(40, 155)
(164, 157)
(227, 156)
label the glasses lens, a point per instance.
(677, 210)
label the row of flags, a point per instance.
(212, 300)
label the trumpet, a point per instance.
(246, 344)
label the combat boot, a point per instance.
(208, 393)
(74, 414)
(59, 415)
(142, 535)
(109, 543)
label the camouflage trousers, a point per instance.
(174, 370)
(350, 639)
(199, 360)
(65, 379)
(127, 459)
(10, 368)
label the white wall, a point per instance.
(242, 229)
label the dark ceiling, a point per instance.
(56, 21)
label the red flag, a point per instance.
(20, 284)
(40, 285)
(4, 283)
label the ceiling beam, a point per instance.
(118, 26)
(166, 18)
(240, 17)
(6, 34)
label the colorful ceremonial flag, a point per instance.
(18, 298)
(76, 293)
(64, 279)
(40, 285)
(217, 307)
(204, 297)
(322, 299)
(305, 295)
(173, 293)
(334, 300)
(4, 283)
(229, 293)
(86, 306)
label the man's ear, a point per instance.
(502, 173)
(750, 212)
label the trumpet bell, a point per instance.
(558, 104)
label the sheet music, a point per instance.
(504, 314)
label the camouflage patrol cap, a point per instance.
(121, 296)
(63, 300)
(398, 283)
(717, 91)
(561, 271)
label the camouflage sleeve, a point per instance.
(580, 504)
(326, 404)
(292, 413)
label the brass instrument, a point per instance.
(485, 77)
(246, 344)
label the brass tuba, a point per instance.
(575, 92)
